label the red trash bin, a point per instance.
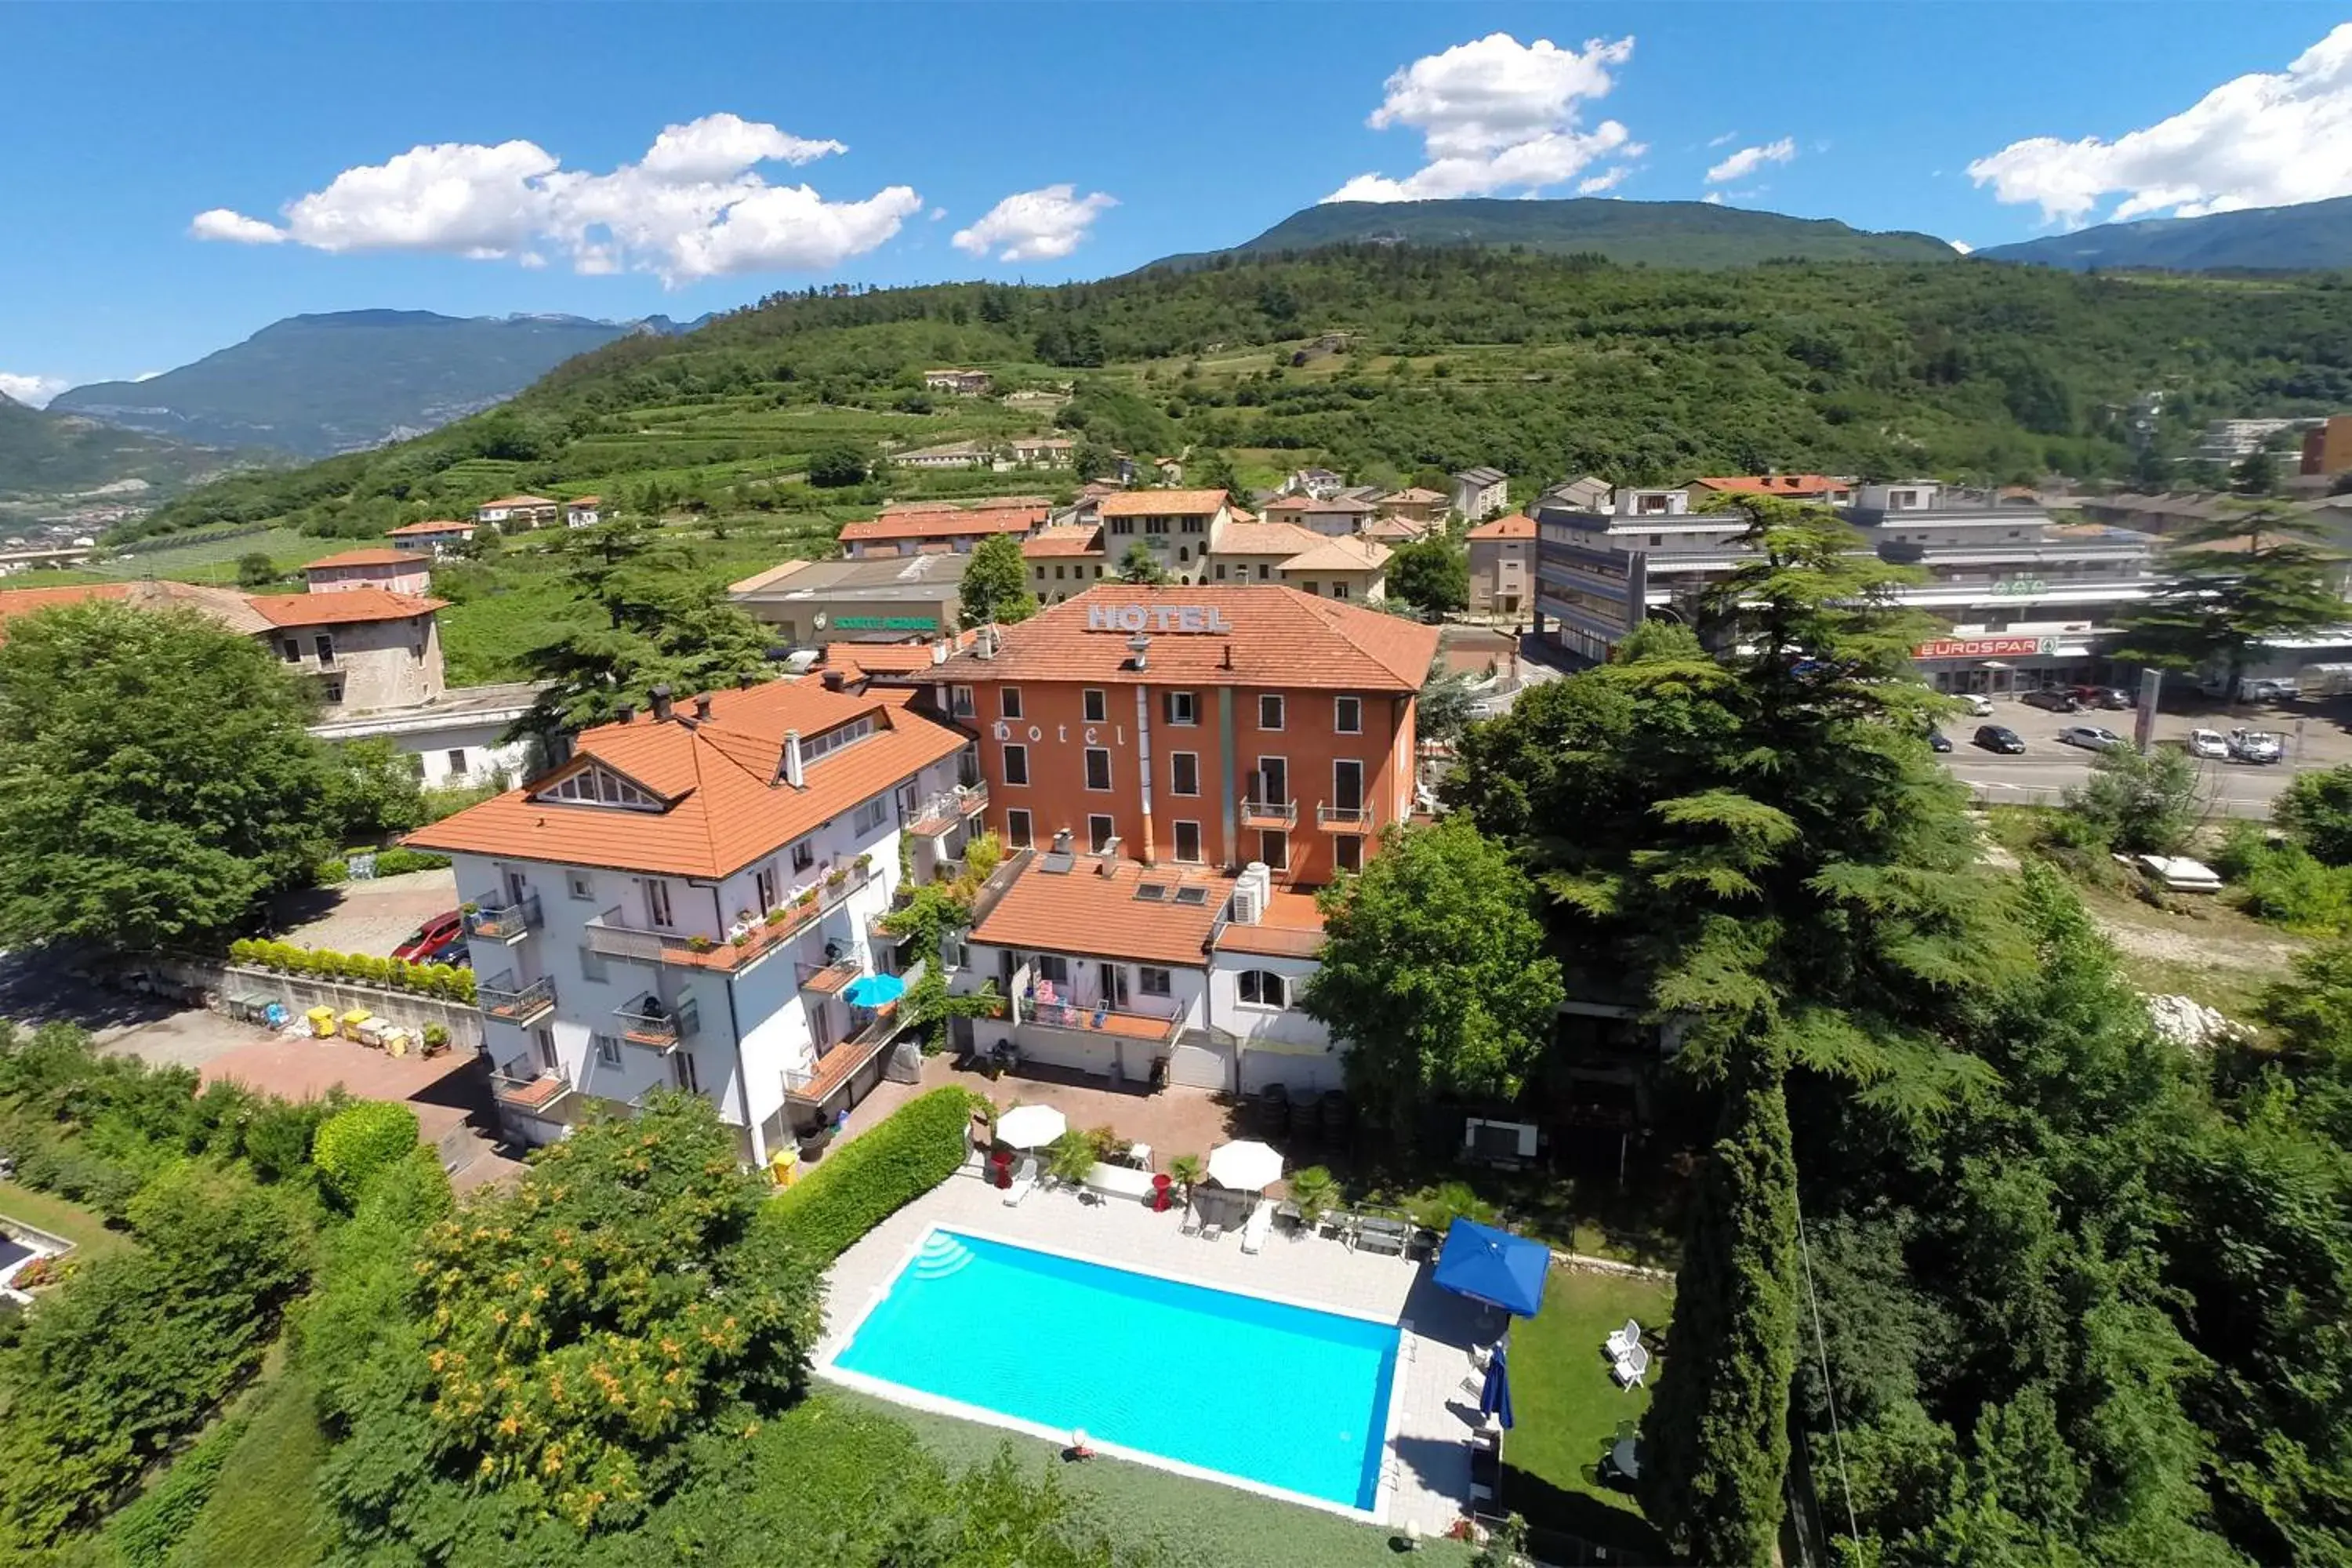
(1160, 1185)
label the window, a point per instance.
(292, 647)
(331, 690)
(544, 1040)
(580, 884)
(1339, 590)
(1008, 702)
(1183, 553)
(1220, 570)
(1269, 713)
(1181, 708)
(1100, 830)
(1188, 843)
(608, 1050)
(1309, 587)
(1098, 705)
(1016, 827)
(1017, 765)
(871, 816)
(326, 647)
(804, 855)
(1348, 852)
(657, 911)
(1097, 572)
(1347, 715)
(1053, 966)
(1097, 768)
(1264, 572)
(592, 785)
(1153, 981)
(1057, 573)
(682, 1064)
(764, 892)
(456, 760)
(832, 740)
(1274, 848)
(1348, 783)
(1263, 988)
(959, 701)
(1122, 525)
(591, 964)
(1183, 772)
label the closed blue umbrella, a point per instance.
(1495, 1396)
(875, 990)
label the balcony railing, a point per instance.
(1080, 1018)
(649, 1023)
(812, 1086)
(1269, 813)
(830, 979)
(1351, 818)
(520, 1005)
(943, 812)
(508, 923)
(610, 937)
(536, 1095)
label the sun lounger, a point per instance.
(1259, 1226)
(1024, 1181)
(1191, 1224)
(1631, 1368)
(1623, 1340)
(1211, 1232)
(1380, 1235)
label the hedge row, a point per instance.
(388, 863)
(443, 980)
(876, 1174)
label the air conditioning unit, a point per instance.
(1246, 909)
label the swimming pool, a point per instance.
(1268, 1393)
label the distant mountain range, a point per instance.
(2310, 237)
(316, 385)
(45, 453)
(1658, 233)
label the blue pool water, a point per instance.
(1282, 1396)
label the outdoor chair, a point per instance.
(1622, 1340)
(1191, 1224)
(1631, 1368)
(1024, 1181)
(1212, 1231)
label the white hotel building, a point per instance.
(689, 901)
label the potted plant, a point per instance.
(865, 862)
(1187, 1171)
(700, 943)
(837, 877)
(808, 897)
(436, 1038)
(776, 915)
(1070, 1159)
(1312, 1193)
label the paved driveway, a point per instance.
(365, 917)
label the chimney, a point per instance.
(661, 703)
(1139, 645)
(795, 775)
(702, 706)
(628, 713)
(1229, 656)
(938, 653)
(834, 680)
(984, 645)
(1062, 842)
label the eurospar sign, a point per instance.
(1986, 647)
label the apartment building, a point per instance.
(1480, 493)
(1415, 504)
(692, 900)
(393, 570)
(1335, 516)
(1502, 565)
(1176, 528)
(1197, 726)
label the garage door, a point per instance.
(1196, 1063)
(1299, 1073)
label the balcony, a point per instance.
(1345, 818)
(646, 1022)
(815, 1086)
(522, 1007)
(1079, 1018)
(830, 979)
(1269, 813)
(508, 923)
(948, 810)
(540, 1096)
(609, 937)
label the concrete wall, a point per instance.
(300, 993)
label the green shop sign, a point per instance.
(885, 623)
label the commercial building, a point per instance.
(2328, 449)
(2228, 441)
(1502, 565)
(888, 598)
(1063, 559)
(691, 900)
(1197, 726)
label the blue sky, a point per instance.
(881, 142)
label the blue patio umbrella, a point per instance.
(1493, 1266)
(1495, 1396)
(875, 990)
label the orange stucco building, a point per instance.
(1197, 725)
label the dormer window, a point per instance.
(596, 785)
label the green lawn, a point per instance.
(1568, 1408)
(82, 1227)
(1205, 1521)
(262, 1513)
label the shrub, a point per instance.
(359, 1140)
(1314, 1192)
(886, 1168)
(277, 1137)
(1071, 1158)
(332, 872)
(396, 861)
(146, 1532)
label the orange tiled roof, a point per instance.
(1413, 495)
(1064, 539)
(586, 500)
(378, 556)
(1266, 539)
(1161, 504)
(929, 524)
(522, 500)
(727, 808)
(1081, 911)
(1308, 503)
(885, 657)
(1280, 638)
(1518, 525)
(436, 525)
(227, 605)
(1342, 554)
(1775, 484)
(349, 607)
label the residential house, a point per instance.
(515, 513)
(398, 571)
(1042, 451)
(1169, 471)
(1415, 504)
(953, 455)
(689, 901)
(1313, 482)
(1176, 528)
(915, 529)
(584, 512)
(880, 599)
(438, 537)
(1348, 569)
(1480, 493)
(1063, 559)
(1334, 516)
(963, 382)
(1502, 565)
(1258, 552)
(1395, 531)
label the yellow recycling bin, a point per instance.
(323, 1022)
(352, 1022)
(785, 1164)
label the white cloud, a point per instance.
(1713, 198)
(938, 213)
(2259, 140)
(1034, 225)
(692, 208)
(32, 391)
(1962, 245)
(1607, 182)
(1747, 160)
(1725, 139)
(1496, 114)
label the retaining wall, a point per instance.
(300, 993)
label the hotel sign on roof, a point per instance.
(1156, 618)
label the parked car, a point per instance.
(2114, 698)
(455, 952)
(2053, 699)
(1999, 738)
(2090, 737)
(2268, 691)
(430, 938)
(2256, 746)
(1938, 741)
(1979, 705)
(2209, 744)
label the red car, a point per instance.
(424, 943)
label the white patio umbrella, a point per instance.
(1247, 1167)
(1031, 1126)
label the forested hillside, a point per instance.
(46, 453)
(1540, 366)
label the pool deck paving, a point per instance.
(1426, 1472)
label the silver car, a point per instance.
(2256, 746)
(2090, 737)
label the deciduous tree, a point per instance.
(1138, 566)
(1432, 575)
(2231, 590)
(996, 584)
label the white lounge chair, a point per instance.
(1024, 1181)
(1257, 1227)
(1623, 1340)
(1632, 1367)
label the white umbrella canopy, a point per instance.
(1247, 1167)
(1031, 1126)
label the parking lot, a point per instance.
(2314, 734)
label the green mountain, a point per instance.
(1656, 234)
(2309, 237)
(1545, 366)
(47, 454)
(314, 385)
